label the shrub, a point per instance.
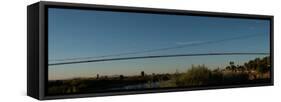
(199, 75)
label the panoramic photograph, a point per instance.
(91, 51)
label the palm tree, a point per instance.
(142, 73)
(97, 76)
(232, 66)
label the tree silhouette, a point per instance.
(121, 77)
(97, 76)
(142, 73)
(232, 66)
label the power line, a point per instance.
(160, 49)
(158, 56)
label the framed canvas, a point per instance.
(83, 50)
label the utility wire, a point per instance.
(158, 56)
(160, 49)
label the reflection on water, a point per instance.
(139, 86)
(142, 86)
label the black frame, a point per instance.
(37, 67)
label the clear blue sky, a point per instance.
(86, 33)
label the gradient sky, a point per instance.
(85, 33)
